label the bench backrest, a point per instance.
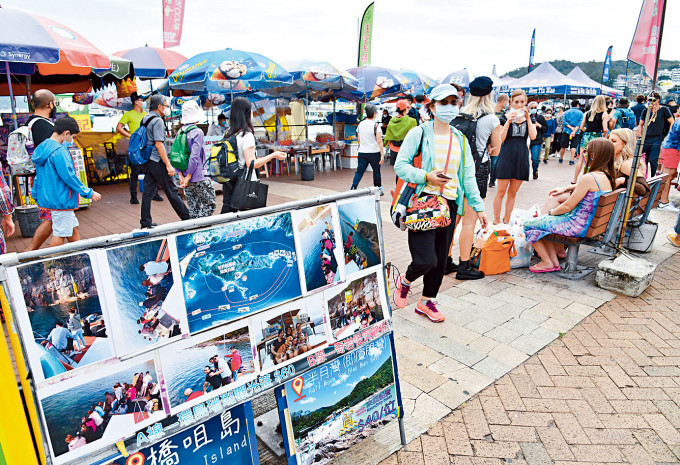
(655, 187)
(603, 213)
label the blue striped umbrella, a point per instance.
(374, 82)
(152, 62)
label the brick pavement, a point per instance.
(607, 391)
(492, 326)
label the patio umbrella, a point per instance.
(460, 77)
(32, 39)
(228, 71)
(417, 82)
(152, 62)
(374, 82)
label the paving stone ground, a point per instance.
(493, 325)
(607, 391)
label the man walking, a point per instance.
(56, 186)
(623, 116)
(158, 170)
(45, 105)
(536, 144)
(133, 119)
(571, 139)
(658, 118)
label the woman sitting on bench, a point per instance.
(572, 217)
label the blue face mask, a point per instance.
(223, 123)
(533, 111)
(446, 113)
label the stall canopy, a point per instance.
(545, 80)
(374, 82)
(579, 76)
(59, 55)
(228, 71)
(460, 77)
(152, 62)
(315, 77)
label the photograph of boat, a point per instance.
(61, 315)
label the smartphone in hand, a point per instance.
(443, 176)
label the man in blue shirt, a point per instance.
(59, 336)
(571, 132)
(638, 108)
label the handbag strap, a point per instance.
(448, 156)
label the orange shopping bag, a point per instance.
(496, 252)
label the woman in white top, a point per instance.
(240, 124)
(370, 148)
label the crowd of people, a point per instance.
(140, 396)
(508, 140)
(357, 312)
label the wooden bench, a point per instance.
(606, 224)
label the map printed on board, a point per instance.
(237, 269)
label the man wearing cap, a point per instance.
(158, 169)
(397, 129)
(198, 188)
(132, 120)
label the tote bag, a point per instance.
(249, 194)
(494, 255)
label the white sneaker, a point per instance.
(668, 207)
(651, 218)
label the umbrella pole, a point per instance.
(333, 118)
(31, 109)
(306, 110)
(11, 95)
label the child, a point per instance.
(56, 186)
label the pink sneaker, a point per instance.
(401, 293)
(429, 309)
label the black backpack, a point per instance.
(467, 124)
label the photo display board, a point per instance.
(163, 340)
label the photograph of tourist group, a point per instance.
(360, 236)
(85, 413)
(61, 314)
(318, 240)
(356, 305)
(290, 332)
(204, 366)
(147, 305)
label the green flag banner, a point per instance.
(365, 37)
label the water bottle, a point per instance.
(140, 179)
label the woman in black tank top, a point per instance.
(595, 124)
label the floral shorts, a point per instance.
(44, 214)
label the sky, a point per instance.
(433, 37)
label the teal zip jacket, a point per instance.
(467, 182)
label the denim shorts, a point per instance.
(63, 223)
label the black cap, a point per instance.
(134, 96)
(481, 86)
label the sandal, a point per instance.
(533, 269)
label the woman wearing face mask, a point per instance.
(447, 169)
(513, 162)
(594, 125)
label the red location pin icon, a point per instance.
(297, 385)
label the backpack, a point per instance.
(467, 124)
(626, 118)
(139, 151)
(223, 161)
(20, 148)
(180, 151)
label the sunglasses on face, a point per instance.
(449, 101)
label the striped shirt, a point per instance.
(441, 150)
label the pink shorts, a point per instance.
(670, 158)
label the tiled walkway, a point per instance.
(607, 391)
(492, 325)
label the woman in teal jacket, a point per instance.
(447, 169)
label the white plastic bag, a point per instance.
(519, 216)
(524, 249)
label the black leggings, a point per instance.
(429, 251)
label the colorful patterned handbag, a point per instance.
(428, 212)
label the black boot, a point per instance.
(133, 198)
(468, 272)
(450, 266)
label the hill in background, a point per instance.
(594, 68)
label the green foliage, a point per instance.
(594, 68)
(382, 378)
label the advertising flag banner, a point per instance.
(365, 37)
(531, 50)
(173, 17)
(607, 65)
(644, 49)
